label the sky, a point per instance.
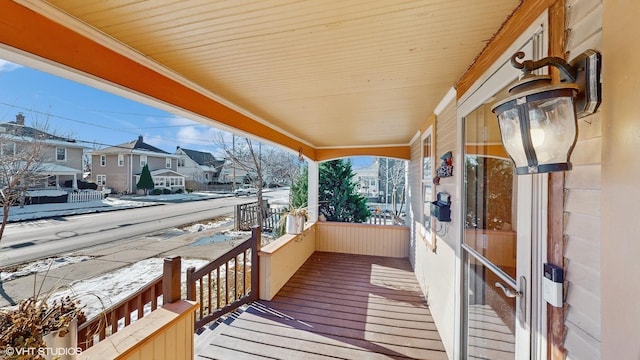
(98, 118)
(91, 115)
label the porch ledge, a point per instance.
(151, 334)
(283, 240)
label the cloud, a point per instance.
(177, 120)
(153, 140)
(8, 66)
(196, 135)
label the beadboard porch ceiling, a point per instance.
(318, 74)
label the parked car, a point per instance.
(245, 190)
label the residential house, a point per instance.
(231, 172)
(61, 157)
(410, 80)
(198, 167)
(368, 181)
(118, 167)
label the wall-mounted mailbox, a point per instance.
(441, 208)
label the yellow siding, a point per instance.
(583, 202)
(363, 239)
(282, 258)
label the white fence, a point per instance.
(85, 196)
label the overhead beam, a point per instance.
(402, 152)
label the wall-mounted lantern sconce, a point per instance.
(538, 121)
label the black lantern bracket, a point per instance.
(584, 71)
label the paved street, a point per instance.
(37, 239)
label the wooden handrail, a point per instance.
(221, 286)
(107, 323)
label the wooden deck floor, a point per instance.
(336, 306)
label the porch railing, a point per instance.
(246, 216)
(271, 218)
(84, 196)
(384, 219)
(226, 283)
(133, 307)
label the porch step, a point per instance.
(206, 334)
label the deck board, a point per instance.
(336, 306)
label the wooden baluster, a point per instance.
(256, 236)
(218, 300)
(211, 308)
(201, 298)
(191, 284)
(140, 305)
(244, 273)
(226, 283)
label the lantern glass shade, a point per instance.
(539, 129)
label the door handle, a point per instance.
(508, 292)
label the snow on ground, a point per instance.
(103, 291)
(198, 227)
(41, 266)
(35, 193)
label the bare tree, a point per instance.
(21, 159)
(392, 172)
(243, 156)
(279, 166)
(263, 164)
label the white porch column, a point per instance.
(312, 192)
(74, 184)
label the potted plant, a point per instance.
(295, 219)
(292, 220)
(38, 329)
